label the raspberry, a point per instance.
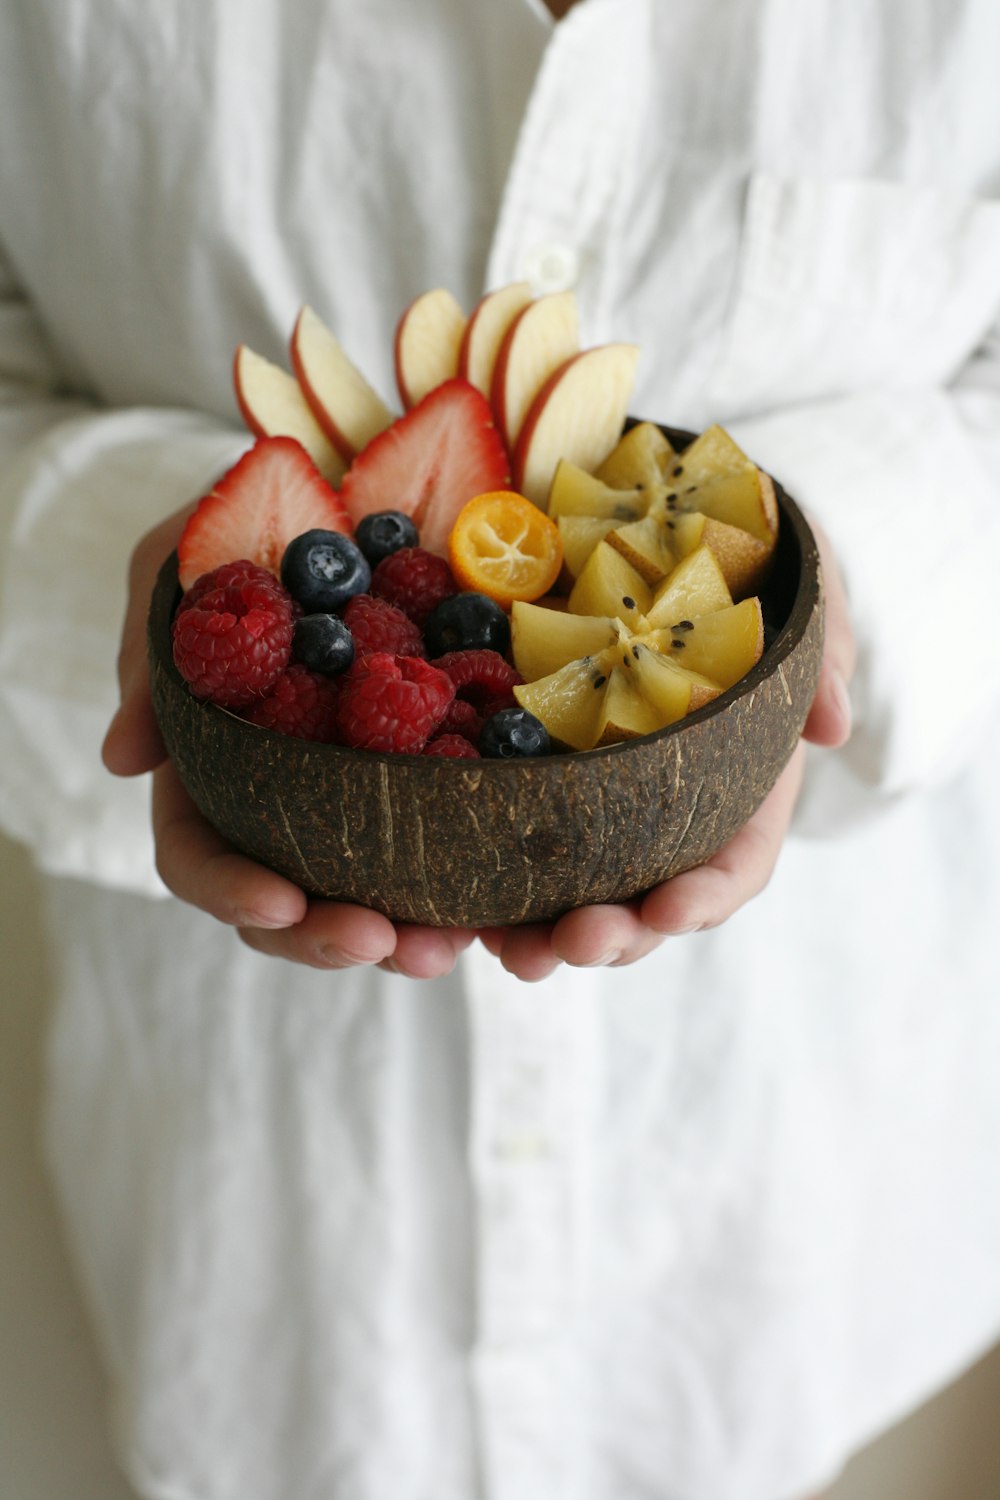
(377, 625)
(482, 678)
(392, 703)
(452, 746)
(231, 643)
(461, 718)
(496, 705)
(229, 575)
(415, 580)
(301, 703)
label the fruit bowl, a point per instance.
(459, 843)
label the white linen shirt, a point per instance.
(687, 1231)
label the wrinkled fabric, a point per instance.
(694, 1228)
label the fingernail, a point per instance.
(346, 959)
(611, 957)
(261, 919)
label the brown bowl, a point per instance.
(457, 843)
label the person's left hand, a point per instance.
(705, 897)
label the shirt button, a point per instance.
(551, 267)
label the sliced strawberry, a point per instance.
(274, 493)
(430, 462)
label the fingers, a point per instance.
(705, 897)
(132, 744)
(426, 952)
(589, 938)
(615, 936)
(272, 915)
(526, 951)
(331, 935)
(336, 935)
(200, 867)
(829, 719)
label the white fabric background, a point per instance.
(691, 1229)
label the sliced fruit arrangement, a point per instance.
(522, 394)
(655, 506)
(594, 678)
(541, 338)
(497, 571)
(429, 463)
(271, 495)
(488, 325)
(271, 404)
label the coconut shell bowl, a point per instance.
(459, 843)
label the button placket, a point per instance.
(561, 207)
(532, 1060)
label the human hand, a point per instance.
(270, 913)
(618, 935)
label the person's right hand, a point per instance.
(270, 913)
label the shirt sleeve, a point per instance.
(905, 485)
(78, 486)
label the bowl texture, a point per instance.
(457, 843)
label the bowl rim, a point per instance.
(802, 603)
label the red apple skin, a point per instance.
(319, 411)
(245, 409)
(498, 391)
(519, 456)
(397, 365)
(281, 413)
(521, 289)
(449, 317)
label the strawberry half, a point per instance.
(429, 462)
(273, 494)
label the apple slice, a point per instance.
(543, 336)
(349, 411)
(427, 344)
(577, 415)
(485, 331)
(271, 404)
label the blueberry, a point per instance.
(323, 643)
(467, 622)
(513, 732)
(385, 532)
(323, 569)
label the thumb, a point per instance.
(132, 743)
(829, 719)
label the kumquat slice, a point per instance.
(504, 546)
